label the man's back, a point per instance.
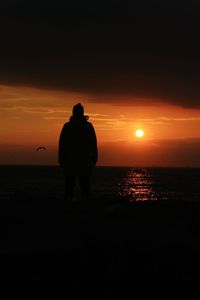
(78, 146)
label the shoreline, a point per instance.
(178, 221)
(104, 248)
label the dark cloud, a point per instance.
(148, 50)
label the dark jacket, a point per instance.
(78, 147)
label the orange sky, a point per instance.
(32, 117)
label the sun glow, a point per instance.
(139, 133)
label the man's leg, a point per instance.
(69, 187)
(85, 187)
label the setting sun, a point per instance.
(139, 133)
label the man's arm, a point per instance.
(93, 144)
(61, 145)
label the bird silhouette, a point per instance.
(41, 148)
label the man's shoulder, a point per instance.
(89, 124)
(66, 124)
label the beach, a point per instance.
(109, 247)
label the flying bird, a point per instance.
(41, 149)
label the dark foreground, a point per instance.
(103, 249)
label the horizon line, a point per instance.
(101, 166)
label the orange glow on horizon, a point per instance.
(31, 118)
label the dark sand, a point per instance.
(103, 249)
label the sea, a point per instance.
(128, 183)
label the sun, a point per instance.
(139, 133)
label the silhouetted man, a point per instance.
(78, 152)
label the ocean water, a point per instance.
(132, 184)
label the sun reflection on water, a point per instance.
(138, 186)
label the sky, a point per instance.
(131, 65)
